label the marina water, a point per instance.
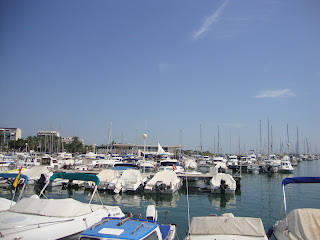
(260, 196)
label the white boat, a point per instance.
(303, 223)
(272, 164)
(51, 162)
(35, 172)
(131, 228)
(130, 180)
(294, 161)
(253, 168)
(147, 165)
(222, 183)
(5, 204)
(33, 217)
(105, 176)
(245, 160)
(226, 227)
(165, 182)
(190, 164)
(220, 163)
(285, 166)
(170, 165)
(232, 161)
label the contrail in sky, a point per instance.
(282, 93)
(209, 21)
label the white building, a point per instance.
(123, 149)
(68, 140)
(10, 134)
(48, 133)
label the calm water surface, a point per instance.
(260, 196)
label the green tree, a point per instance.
(75, 146)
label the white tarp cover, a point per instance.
(53, 207)
(216, 180)
(212, 225)
(36, 171)
(303, 223)
(108, 175)
(131, 176)
(5, 204)
(166, 177)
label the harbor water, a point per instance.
(260, 196)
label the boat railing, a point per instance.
(38, 225)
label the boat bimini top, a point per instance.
(13, 176)
(75, 176)
(296, 180)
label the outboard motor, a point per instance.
(160, 186)
(223, 186)
(42, 181)
(152, 213)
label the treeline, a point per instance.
(48, 144)
(192, 152)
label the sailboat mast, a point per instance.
(200, 140)
(297, 150)
(260, 140)
(268, 139)
(271, 144)
(218, 142)
(288, 143)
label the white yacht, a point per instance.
(170, 165)
(285, 166)
(220, 163)
(232, 161)
(253, 168)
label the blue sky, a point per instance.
(165, 65)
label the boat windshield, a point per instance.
(169, 163)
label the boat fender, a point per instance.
(270, 232)
(100, 166)
(174, 167)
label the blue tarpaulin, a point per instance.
(301, 180)
(76, 176)
(14, 175)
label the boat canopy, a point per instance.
(301, 180)
(76, 176)
(222, 225)
(300, 223)
(167, 177)
(14, 175)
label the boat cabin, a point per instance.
(127, 228)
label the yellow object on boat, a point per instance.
(15, 170)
